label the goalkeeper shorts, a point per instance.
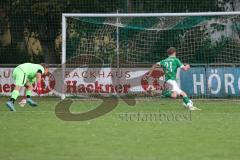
(173, 86)
(19, 77)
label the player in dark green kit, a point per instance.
(25, 75)
(170, 66)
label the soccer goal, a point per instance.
(100, 49)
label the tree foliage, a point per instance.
(41, 19)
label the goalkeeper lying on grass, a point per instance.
(170, 66)
(25, 75)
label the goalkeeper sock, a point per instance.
(186, 100)
(167, 93)
(28, 93)
(14, 96)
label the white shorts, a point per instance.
(173, 86)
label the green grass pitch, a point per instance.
(37, 134)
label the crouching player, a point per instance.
(170, 66)
(25, 75)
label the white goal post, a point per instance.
(117, 24)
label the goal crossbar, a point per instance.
(150, 14)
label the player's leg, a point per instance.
(176, 91)
(187, 102)
(179, 92)
(29, 89)
(169, 93)
(169, 90)
(185, 98)
(20, 80)
(13, 98)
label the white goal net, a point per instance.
(126, 45)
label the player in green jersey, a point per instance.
(170, 66)
(25, 75)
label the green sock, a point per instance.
(15, 94)
(167, 93)
(28, 93)
(186, 100)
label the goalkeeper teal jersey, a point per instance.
(31, 69)
(170, 66)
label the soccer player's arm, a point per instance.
(182, 66)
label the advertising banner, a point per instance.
(198, 81)
(211, 81)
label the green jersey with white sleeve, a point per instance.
(170, 66)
